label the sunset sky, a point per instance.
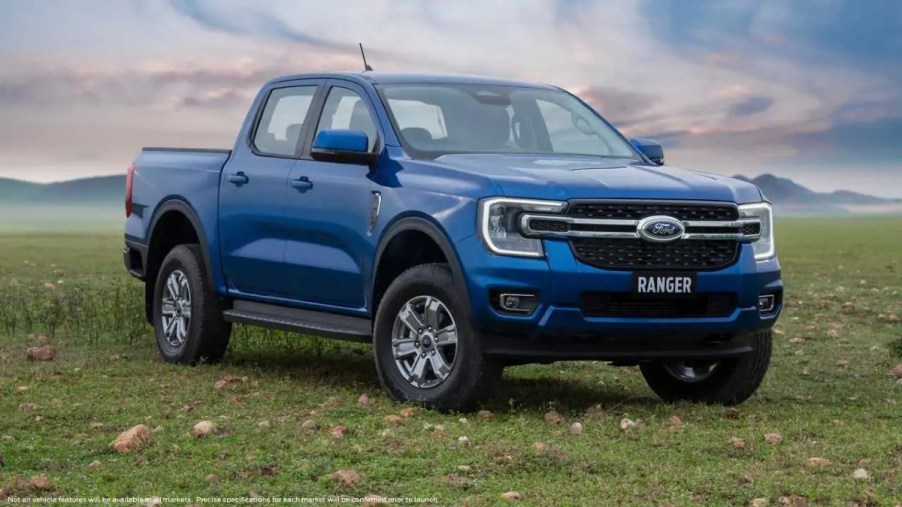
(810, 90)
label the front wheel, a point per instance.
(426, 349)
(727, 382)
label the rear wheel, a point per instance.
(187, 315)
(426, 349)
(728, 381)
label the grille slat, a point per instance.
(626, 304)
(640, 210)
(629, 254)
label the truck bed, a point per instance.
(187, 175)
(199, 150)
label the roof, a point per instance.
(403, 78)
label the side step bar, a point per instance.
(296, 320)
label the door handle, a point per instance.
(302, 183)
(238, 178)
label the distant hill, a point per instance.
(99, 191)
(790, 197)
(787, 195)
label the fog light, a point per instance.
(516, 302)
(510, 301)
(766, 303)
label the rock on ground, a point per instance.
(346, 477)
(202, 429)
(45, 353)
(40, 482)
(626, 424)
(132, 439)
(552, 417)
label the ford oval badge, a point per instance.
(660, 229)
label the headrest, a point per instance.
(293, 132)
(417, 136)
(491, 129)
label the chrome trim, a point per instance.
(573, 220)
(738, 236)
(528, 231)
(730, 223)
(769, 303)
(375, 210)
(515, 310)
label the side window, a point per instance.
(344, 109)
(283, 117)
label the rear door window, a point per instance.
(282, 120)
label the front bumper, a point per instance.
(560, 281)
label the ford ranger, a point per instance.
(459, 225)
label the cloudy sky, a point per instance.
(807, 89)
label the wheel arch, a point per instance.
(409, 228)
(174, 223)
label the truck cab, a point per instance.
(459, 225)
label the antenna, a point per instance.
(366, 66)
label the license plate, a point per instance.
(664, 284)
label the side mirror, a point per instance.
(651, 149)
(344, 146)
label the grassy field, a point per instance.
(827, 395)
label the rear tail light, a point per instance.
(129, 182)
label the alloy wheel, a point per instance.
(424, 342)
(690, 372)
(176, 308)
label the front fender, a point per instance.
(432, 228)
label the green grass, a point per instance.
(827, 394)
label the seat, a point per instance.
(418, 137)
(292, 136)
(266, 142)
(361, 120)
(491, 131)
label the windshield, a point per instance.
(439, 119)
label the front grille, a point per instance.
(549, 226)
(635, 253)
(751, 229)
(626, 304)
(641, 209)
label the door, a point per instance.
(328, 251)
(253, 185)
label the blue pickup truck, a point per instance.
(460, 225)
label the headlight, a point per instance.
(764, 247)
(500, 230)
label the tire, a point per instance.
(471, 373)
(206, 334)
(730, 382)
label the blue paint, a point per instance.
(275, 238)
(651, 149)
(341, 140)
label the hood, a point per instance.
(577, 177)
